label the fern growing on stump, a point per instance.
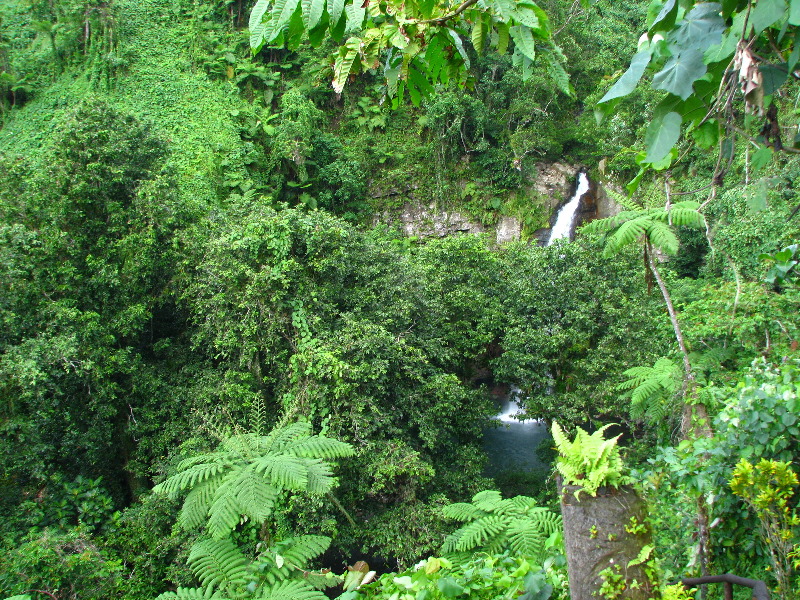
(241, 481)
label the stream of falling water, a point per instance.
(566, 216)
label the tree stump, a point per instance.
(609, 546)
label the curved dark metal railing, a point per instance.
(759, 588)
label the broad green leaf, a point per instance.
(449, 587)
(761, 158)
(312, 12)
(766, 13)
(707, 135)
(256, 24)
(504, 8)
(460, 47)
(666, 16)
(502, 37)
(523, 40)
(756, 196)
(700, 28)
(344, 63)
(335, 10)
(680, 72)
(282, 12)
(534, 17)
(662, 134)
(794, 57)
(558, 73)
(355, 16)
(630, 78)
(773, 77)
(434, 56)
(794, 12)
(477, 37)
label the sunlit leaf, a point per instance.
(630, 78)
(680, 72)
(766, 13)
(662, 134)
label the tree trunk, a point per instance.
(603, 536)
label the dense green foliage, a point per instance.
(191, 256)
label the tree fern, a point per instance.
(651, 389)
(495, 525)
(243, 479)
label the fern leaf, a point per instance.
(662, 237)
(524, 539)
(283, 471)
(218, 563)
(319, 478)
(195, 508)
(461, 511)
(479, 532)
(319, 447)
(254, 496)
(487, 500)
(183, 593)
(281, 437)
(291, 590)
(303, 549)
(191, 477)
(224, 513)
(627, 233)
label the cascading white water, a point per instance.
(509, 408)
(566, 216)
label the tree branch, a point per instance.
(440, 20)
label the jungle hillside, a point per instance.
(278, 276)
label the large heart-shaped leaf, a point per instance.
(767, 12)
(701, 28)
(680, 72)
(661, 135)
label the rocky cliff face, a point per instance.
(552, 186)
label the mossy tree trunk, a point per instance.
(608, 544)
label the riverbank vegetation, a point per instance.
(224, 373)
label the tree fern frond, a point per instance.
(300, 551)
(487, 500)
(320, 480)
(283, 470)
(290, 590)
(218, 563)
(478, 532)
(319, 447)
(627, 233)
(191, 477)
(278, 439)
(254, 495)
(462, 511)
(195, 508)
(224, 514)
(525, 540)
(662, 237)
(183, 593)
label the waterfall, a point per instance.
(566, 216)
(510, 408)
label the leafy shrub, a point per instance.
(68, 565)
